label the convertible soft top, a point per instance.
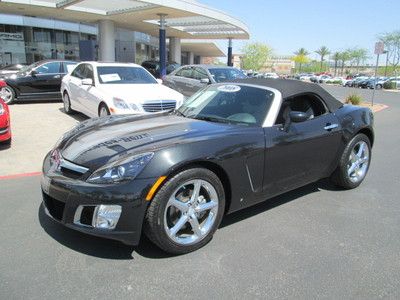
(291, 87)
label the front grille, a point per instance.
(55, 207)
(159, 105)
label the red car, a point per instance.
(5, 128)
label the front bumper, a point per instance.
(64, 197)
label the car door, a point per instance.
(198, 74)
(300, 153)
(74, 83)
(87, 95)
(43, 82)
(47, 80)
(179, 81)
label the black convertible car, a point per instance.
(175, 174)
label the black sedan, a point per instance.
(38, 81)
(175, 174)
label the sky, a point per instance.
(287, 25)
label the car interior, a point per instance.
(307, 103)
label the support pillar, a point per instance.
(175, 50)
(191, 58)
(230, 64)
(162, 47)
(106, 40)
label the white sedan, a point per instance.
(100, 89)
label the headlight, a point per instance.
(126, 169)
(2, 110)
(119, 103)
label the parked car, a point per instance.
(153, 66)
(324, 78)
(271, 75)
(306, 76)
(191, 78)
(99, 89)
(38, 81)
(175, 175)
(5, 127)
(354, 82)
(11, 69)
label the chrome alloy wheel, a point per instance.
(191, 212)
(357, 165)
(103, 111)
(6, 94)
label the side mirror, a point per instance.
(159, 81)
(205, 80)
(34, 73)
(298, 116)
(87, 81)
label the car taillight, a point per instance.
(2, 83)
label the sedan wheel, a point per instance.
(186, 211)
(7, 94)
(103, 111)
(354, 163)
(67, 104)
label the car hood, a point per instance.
(144, 92)
(95, 142)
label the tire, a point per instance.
(379, 86)
(168, 221)
(103, 110)
(8, 95)
(67, 104)
(354, 163)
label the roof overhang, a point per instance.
(205, 48)
(186, 19)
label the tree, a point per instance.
(358, 56)
(322, 52)
(255, 55)
(301, 57)
(336, 58)
(344, 57)
(391, 41)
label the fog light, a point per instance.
(106, 216)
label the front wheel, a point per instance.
(103, 110)
(67, 104)
(8, 94)
(354, 163)
(186, 211)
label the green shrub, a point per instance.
(389, 85)
(353, 99)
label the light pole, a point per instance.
(387, 59)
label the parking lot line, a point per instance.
(12, 176)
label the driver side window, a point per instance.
(49, 68)
(307, 103)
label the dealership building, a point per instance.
(183, 31)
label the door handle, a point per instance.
(57, 76)
(330, 126)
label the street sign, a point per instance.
(379, 48)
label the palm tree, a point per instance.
(336, 58)
(344, 57)
(322, 52)
(301, 57)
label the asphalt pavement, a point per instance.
(314, 242)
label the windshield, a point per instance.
(124, 75)
(238, 104)
(226, 74)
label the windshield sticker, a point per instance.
(229, 88)
(110, 77)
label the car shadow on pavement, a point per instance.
(261, 207)
(109, 249)
(76, 115)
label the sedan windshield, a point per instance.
(226, 74)
(124, 75)
(230, 103)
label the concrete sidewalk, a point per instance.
(36, 127)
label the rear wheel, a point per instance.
(103, 110)
(379, 86)
(186, 211)
(354, 163)
(8, 94)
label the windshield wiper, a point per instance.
(210, 119)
